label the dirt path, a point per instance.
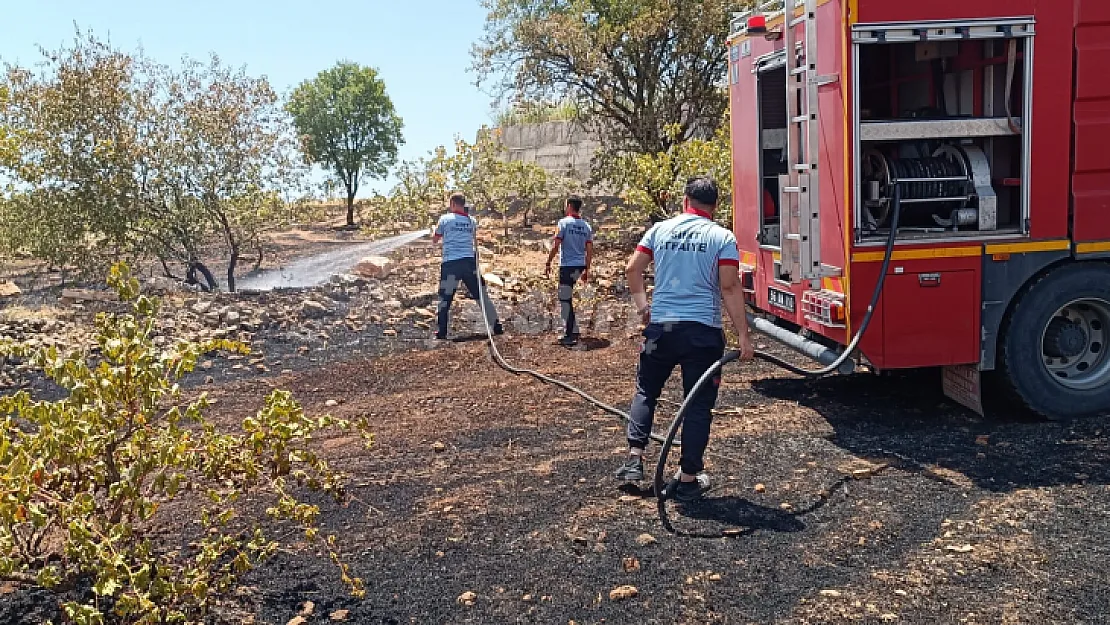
(989, 523)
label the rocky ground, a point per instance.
(488, 499)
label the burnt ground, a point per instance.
(846, 500)
(860, 499)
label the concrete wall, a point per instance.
(559, 147)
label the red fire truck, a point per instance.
(964, 145)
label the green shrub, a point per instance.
(86, 479)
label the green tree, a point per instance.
(348, 125)
(229, 154)
(82, 123)
(634, 68)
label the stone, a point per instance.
(231, 317)
(70, 296)
(760, 488)
(438, 447)
(623, 592)
(311, 309)
(645, 539)
(331, 403)
(467, 598)
(494, 279)
(375, 267)
(339, 615)
(9, 289)
(307, 609)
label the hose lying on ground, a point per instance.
(669, 440)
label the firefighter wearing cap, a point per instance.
(696, 267)
(573, 242)
(456, 230)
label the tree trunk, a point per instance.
(258, 263)
(209, 283)
(350, 208)
(232, 262)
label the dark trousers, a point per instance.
(695, 347)
(452, 272)
(568, 277)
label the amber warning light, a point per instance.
(757, 24)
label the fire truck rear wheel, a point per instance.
(1055, 353)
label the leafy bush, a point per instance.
(84, 481)
(653, 184)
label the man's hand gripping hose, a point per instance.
(669, 440)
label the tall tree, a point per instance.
(636, 67)
(348, 125)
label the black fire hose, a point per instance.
(669, 440)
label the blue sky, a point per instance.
(420, 47)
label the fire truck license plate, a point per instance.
(780, 299)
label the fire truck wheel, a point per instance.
(1055, 355)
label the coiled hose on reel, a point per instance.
(670, 440)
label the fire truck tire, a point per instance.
(1055, 351)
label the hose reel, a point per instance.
(951, 188)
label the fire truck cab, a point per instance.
(964, 145)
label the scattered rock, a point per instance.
(983, 439)
(528, 598)
(438, 447)
(631, 565)
(307, 609)
(760, 488)
(389, 332)
(331, 403)
(716, 577)
(467, 598)
(645, 539)
(231, 317)
(578, 431)
(297, 620)
(623, 592)
(960, 548)
(830, 593)
(9, 289)
(69, 296)
(311, 309)
(629, 498)
(494, 279)
(375, 267)
(339, 615)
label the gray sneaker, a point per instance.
(632, 470)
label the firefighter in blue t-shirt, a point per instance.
(574, 243)
(456, 230)
(696, 266)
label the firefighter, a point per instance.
(574, 243)
(456, 230)
(696, 266)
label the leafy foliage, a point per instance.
(348, 124)
(86, 480)
(118, 155)
(652, 184)
(635, 68)
(494, 185)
